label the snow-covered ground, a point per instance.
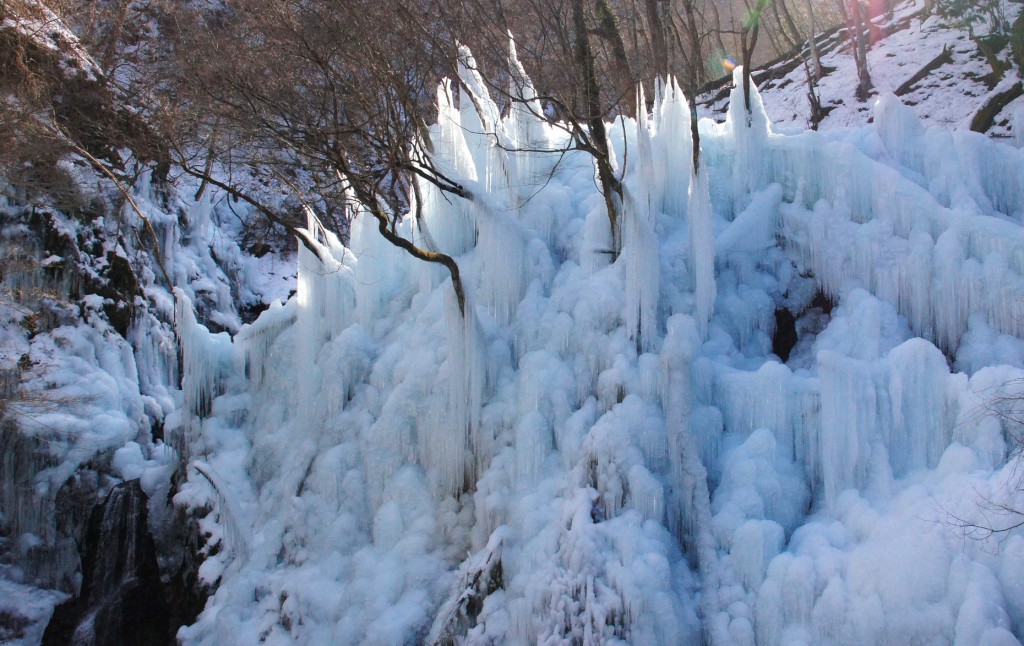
(948, 97)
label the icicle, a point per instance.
(253, 341)
(646, 493)
(502, 254)
(155, 354)
(921, 421)
(380, 271)
(325, 302)
(689, 506)
(659, 99)
(489, 149)
(900, 130)
(754, 544)
(899, 403)
(673, 150)
(641, 260)
(771, 397)
(236, 524)
(467, 370)
(1017, 127)
(849, 419)
(526, 131)
(645, 191)
(532, 446)
(207, 359)
(469, 74)
(450, 152)
(749, 133)
(640, 254)
(702, 249)
(447, 220)
(681, 342)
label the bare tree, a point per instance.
(329, 99)
(749, 32)
(798, 37)
(576, 55)
(855, 15)
(659, 46)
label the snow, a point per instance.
(40, 25)
(947, 98)
(25, 611)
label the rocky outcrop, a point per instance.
(122, 600)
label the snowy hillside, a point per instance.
(928, 60)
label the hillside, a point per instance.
(930, 62)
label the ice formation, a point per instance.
(604, 450)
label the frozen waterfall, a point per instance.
(609, 451)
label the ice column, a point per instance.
(900, 403)
(749, 133)
(380, 270)
(462, 445)
(447, 220)
(207, 359)
(526, 131)
(702, 248)
(325, 302)
(640, 244)
(673, 148)
(485, 134)
(502, 254)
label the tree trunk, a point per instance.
(698, 71)
(598, 137)
(791, 34)
(855, 20)
(748, 42)
(659, 51)
(691, 100)
(813, 43)
(608, 29)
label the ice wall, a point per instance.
(604, 449)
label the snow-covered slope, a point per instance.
(607, 451)
(951, 91)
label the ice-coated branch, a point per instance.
(383, 226)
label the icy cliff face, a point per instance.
(613, 444)
(90, 374)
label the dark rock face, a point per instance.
(180, 545)
(121, 288)
(12, 626)
(785, 336)
(121, 602)
(805, 323)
